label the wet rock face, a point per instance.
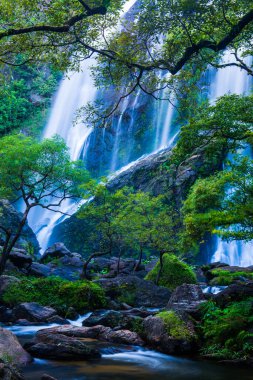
(135, 291)
(20, 259)
(186, 298)
(61, 347)
(109, 318)
(10, 218)
(33, 312)
(11, 349)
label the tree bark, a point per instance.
(138, 264)
(160, 269)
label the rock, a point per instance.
(20, 259)
(96, 332)
(61, 347)
(135, 291)
(59, 320)
(234, 292)
(108, 318)
(12, 349)
(47, 377)
(33, 312)
(10, 218)
(179, 341)
(5, 281)
(8, 372)
(72, 314)
(56, 251)
(39, 270)
(5, 314)
(186, 298)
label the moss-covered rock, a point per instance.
(225, 277)
(175, 326)
(174, 273)
(56, 292)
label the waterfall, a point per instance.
(235, 81)
(75, 91)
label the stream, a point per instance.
(122, 362)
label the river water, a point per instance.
(120, 362)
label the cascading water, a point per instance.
(235, 81)
(75, 91)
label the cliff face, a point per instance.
(154, 173)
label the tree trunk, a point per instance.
(160, 269)
(138, 264)
(84, 274)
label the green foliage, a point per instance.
(222, 203)
(18, 110)
(223, 277)
(124, 220)
(227, 332)
(174, 325)
(56, 292)
(174, 273)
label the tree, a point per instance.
(222, 204)
(41, 175)
(127, 220)
(165, 36)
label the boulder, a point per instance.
(186, 298)
(56, 251)
(108, 318)
(39, 270)
(8, 372)
(98, 332)
(59, 320)
(60, 347)
(12, 349)
(172, 338)
(33, 312)
(5, 281)
(20, 259)
(234, 292)
(135, 291)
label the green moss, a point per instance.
(227, 332)
(56, 292)
(175, 272)
(174, 326)
(223, 277)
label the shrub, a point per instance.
(175, 327)
(227, 332)
(174, 273)
(56, 292)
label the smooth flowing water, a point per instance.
(120, 362)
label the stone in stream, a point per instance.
(96, 332)
(47, 377)
(11, 349)
(33, 312)
(234, 292)
(60, 347)
(108, 318)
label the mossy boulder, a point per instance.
(169, 333)
(57, 293)
(174, 273)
